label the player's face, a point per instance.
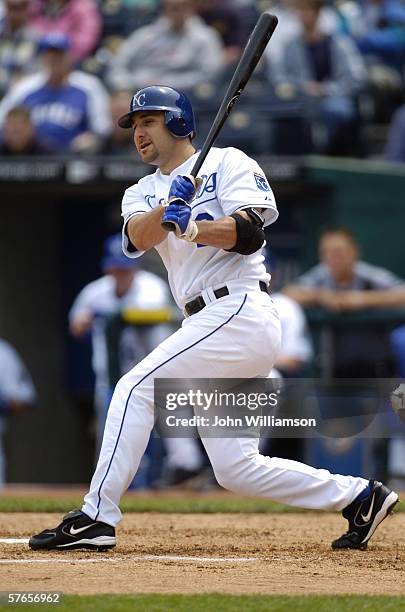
(338, 253)
(123, 278)
(152, 139)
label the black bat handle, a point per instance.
(251, 55)
(253, 51)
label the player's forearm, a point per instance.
(145, 231)
(220, 233)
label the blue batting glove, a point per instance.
(182, 188)
(177, 214)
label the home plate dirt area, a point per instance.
(197, 553)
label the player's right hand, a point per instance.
(177, 213)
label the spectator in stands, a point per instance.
(395, 148)
(338, 16)
(177, 49)
(19, 136)
(288, 27)
(123, 285)
(227, 20)
(120, 141)
(69, 109)
(378, 28)
(326, 72)
(342, 282)
(78, 19)
(381, 31)
(17, 393)
(121, 17)
(17, 44)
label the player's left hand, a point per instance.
(182, 188)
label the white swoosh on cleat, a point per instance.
(367, 517)
(74, 531)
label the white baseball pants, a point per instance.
(237, 336)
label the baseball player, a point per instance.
(231, 330)
(17, 392)
(123, 285)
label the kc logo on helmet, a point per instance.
(140, 100)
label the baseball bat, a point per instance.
(253, 51)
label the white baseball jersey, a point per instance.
(231, 181)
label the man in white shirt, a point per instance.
(17, 393)
(124, 285)
(178, 49)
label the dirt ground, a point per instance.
(230, 553)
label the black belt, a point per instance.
(198, 303)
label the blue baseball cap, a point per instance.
(113, 256)
(54, 40)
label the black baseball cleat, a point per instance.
(77, 530)
(365, 515)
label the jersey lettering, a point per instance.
(208, 185)
(57, 113)
(151, 199)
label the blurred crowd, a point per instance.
(331, 80)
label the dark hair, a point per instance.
(339, 229)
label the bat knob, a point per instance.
(168, 226)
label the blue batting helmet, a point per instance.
(113, 256)
(179, 116)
